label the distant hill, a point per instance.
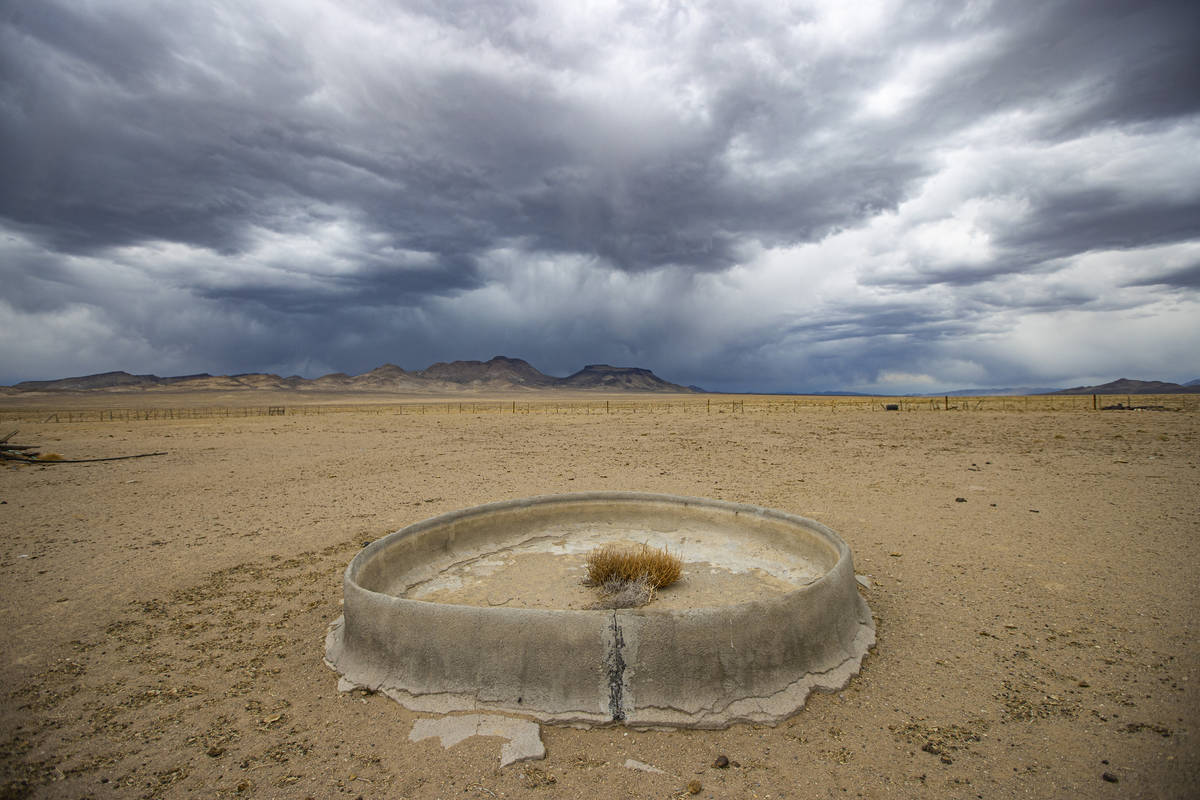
(1130, 386)
(603, 376)
(1193, 383)
(1008, 391)
(500, 371)
(104, 380)
(498, 374)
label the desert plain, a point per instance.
(1033, 576)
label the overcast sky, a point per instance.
(882, 196)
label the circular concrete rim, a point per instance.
(707, 667)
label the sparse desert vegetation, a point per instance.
(628, 576)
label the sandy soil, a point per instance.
(165, 616)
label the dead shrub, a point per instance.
(628, 578)
(618, 593)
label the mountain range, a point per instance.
(1130, 386)
(1119, 386)
(498, 374)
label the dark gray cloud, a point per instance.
(779, 196)
(1095, 63)
(1067, 223)
(1183, 278)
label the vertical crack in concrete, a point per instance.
(616, 673)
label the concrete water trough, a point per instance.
(485, 609)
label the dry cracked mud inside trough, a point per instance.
(485, 609)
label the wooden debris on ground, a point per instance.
(29, 454)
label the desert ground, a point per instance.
(164, 618)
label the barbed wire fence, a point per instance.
(721, 404)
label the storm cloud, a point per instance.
(884, 196)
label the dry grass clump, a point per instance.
(628, 578)
(657, 566)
